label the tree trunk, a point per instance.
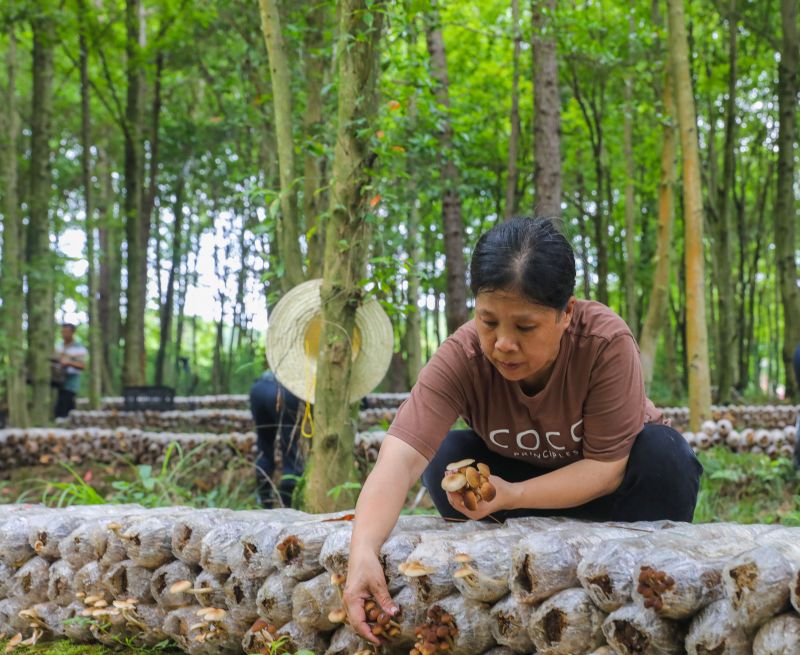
(785, 200)
(287, 224)
(723, 257)
(657, 317)
(95, 347)
(413, 335)
(696, 334)
(630, 209)
(11, 287)
(169, 300)
(110, 284)
(40, 257)
(331, 460)
(133, 367)
(314, 129)
(546, 111)
(453, 222)
(513, 140)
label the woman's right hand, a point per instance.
(365, 580)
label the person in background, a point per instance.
(68, 361)
(277, 414)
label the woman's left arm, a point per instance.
(569, 486)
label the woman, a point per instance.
(552, 390)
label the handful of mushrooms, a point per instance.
(471, 482)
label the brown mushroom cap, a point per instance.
(454, 482)
(454, 466)
(180, 586)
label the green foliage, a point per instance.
(747, 488)
(189, 478)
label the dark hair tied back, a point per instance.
(529, 256)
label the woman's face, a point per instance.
(520, 338)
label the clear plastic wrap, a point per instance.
(128, 580)
(170, 583)
(29, 583)
(567, 623)
(86, 543)
(299, 638)
(10, 620)
(5, 576)
(428, 567)
(758, 582)
(253, 559)
(298, 546)
(313, 600)
(509, 624)
(220, 545)
(715, 629)
(795, 591)
(88, 581)
(76, 627)
(188, 532)
(148, 541)
(779, 636)
(634, 630)
(208, 590)
(240, 597)
(204, 631)
(481, 565)
(473, 633)
(274, 599)
(46, 617)
(60, 583)
(346, 642)
(546, 562)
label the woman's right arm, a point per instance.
(398, 467)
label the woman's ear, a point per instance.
(566, 315)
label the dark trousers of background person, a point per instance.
(65, 402)
(277, 415)
(796, 363)
(661, 479)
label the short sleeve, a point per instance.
(613, 412)
(436, 401)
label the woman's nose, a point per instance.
(505, 343)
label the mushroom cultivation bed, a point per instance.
(218, 581)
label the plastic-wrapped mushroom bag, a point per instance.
(567, 623)
(715, 629)
(482, 565)
(274, 599)
(298, 546)
(29, 583)
(170, 584)
(312, 602)
(634, 630)
(509, 624)
(778, 636)
(128, 580)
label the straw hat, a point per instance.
(293, 337)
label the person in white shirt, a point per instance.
(69, 362)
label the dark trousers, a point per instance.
(277, 415)
(661, 479)
(65, 402)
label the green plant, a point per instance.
(60, 494)
(336, 491)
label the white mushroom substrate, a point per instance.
(219, 581)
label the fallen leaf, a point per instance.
(374, 200)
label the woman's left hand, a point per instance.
(505, 498)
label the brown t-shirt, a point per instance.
(593, 405)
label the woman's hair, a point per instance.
(528, 256)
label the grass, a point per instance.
(64, 647)
(190, 478)
(747, 488)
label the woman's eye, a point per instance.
(525, 328)
(490, 324)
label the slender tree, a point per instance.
(452, 219)
(331, 462)
(11, 287)
(631, 314)
(785, 199)
(656, 319)
(546, 111)
(513, 140)
(287, 225)
(95, 347)
(133, 368)
(696, 334)
(40, 255)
